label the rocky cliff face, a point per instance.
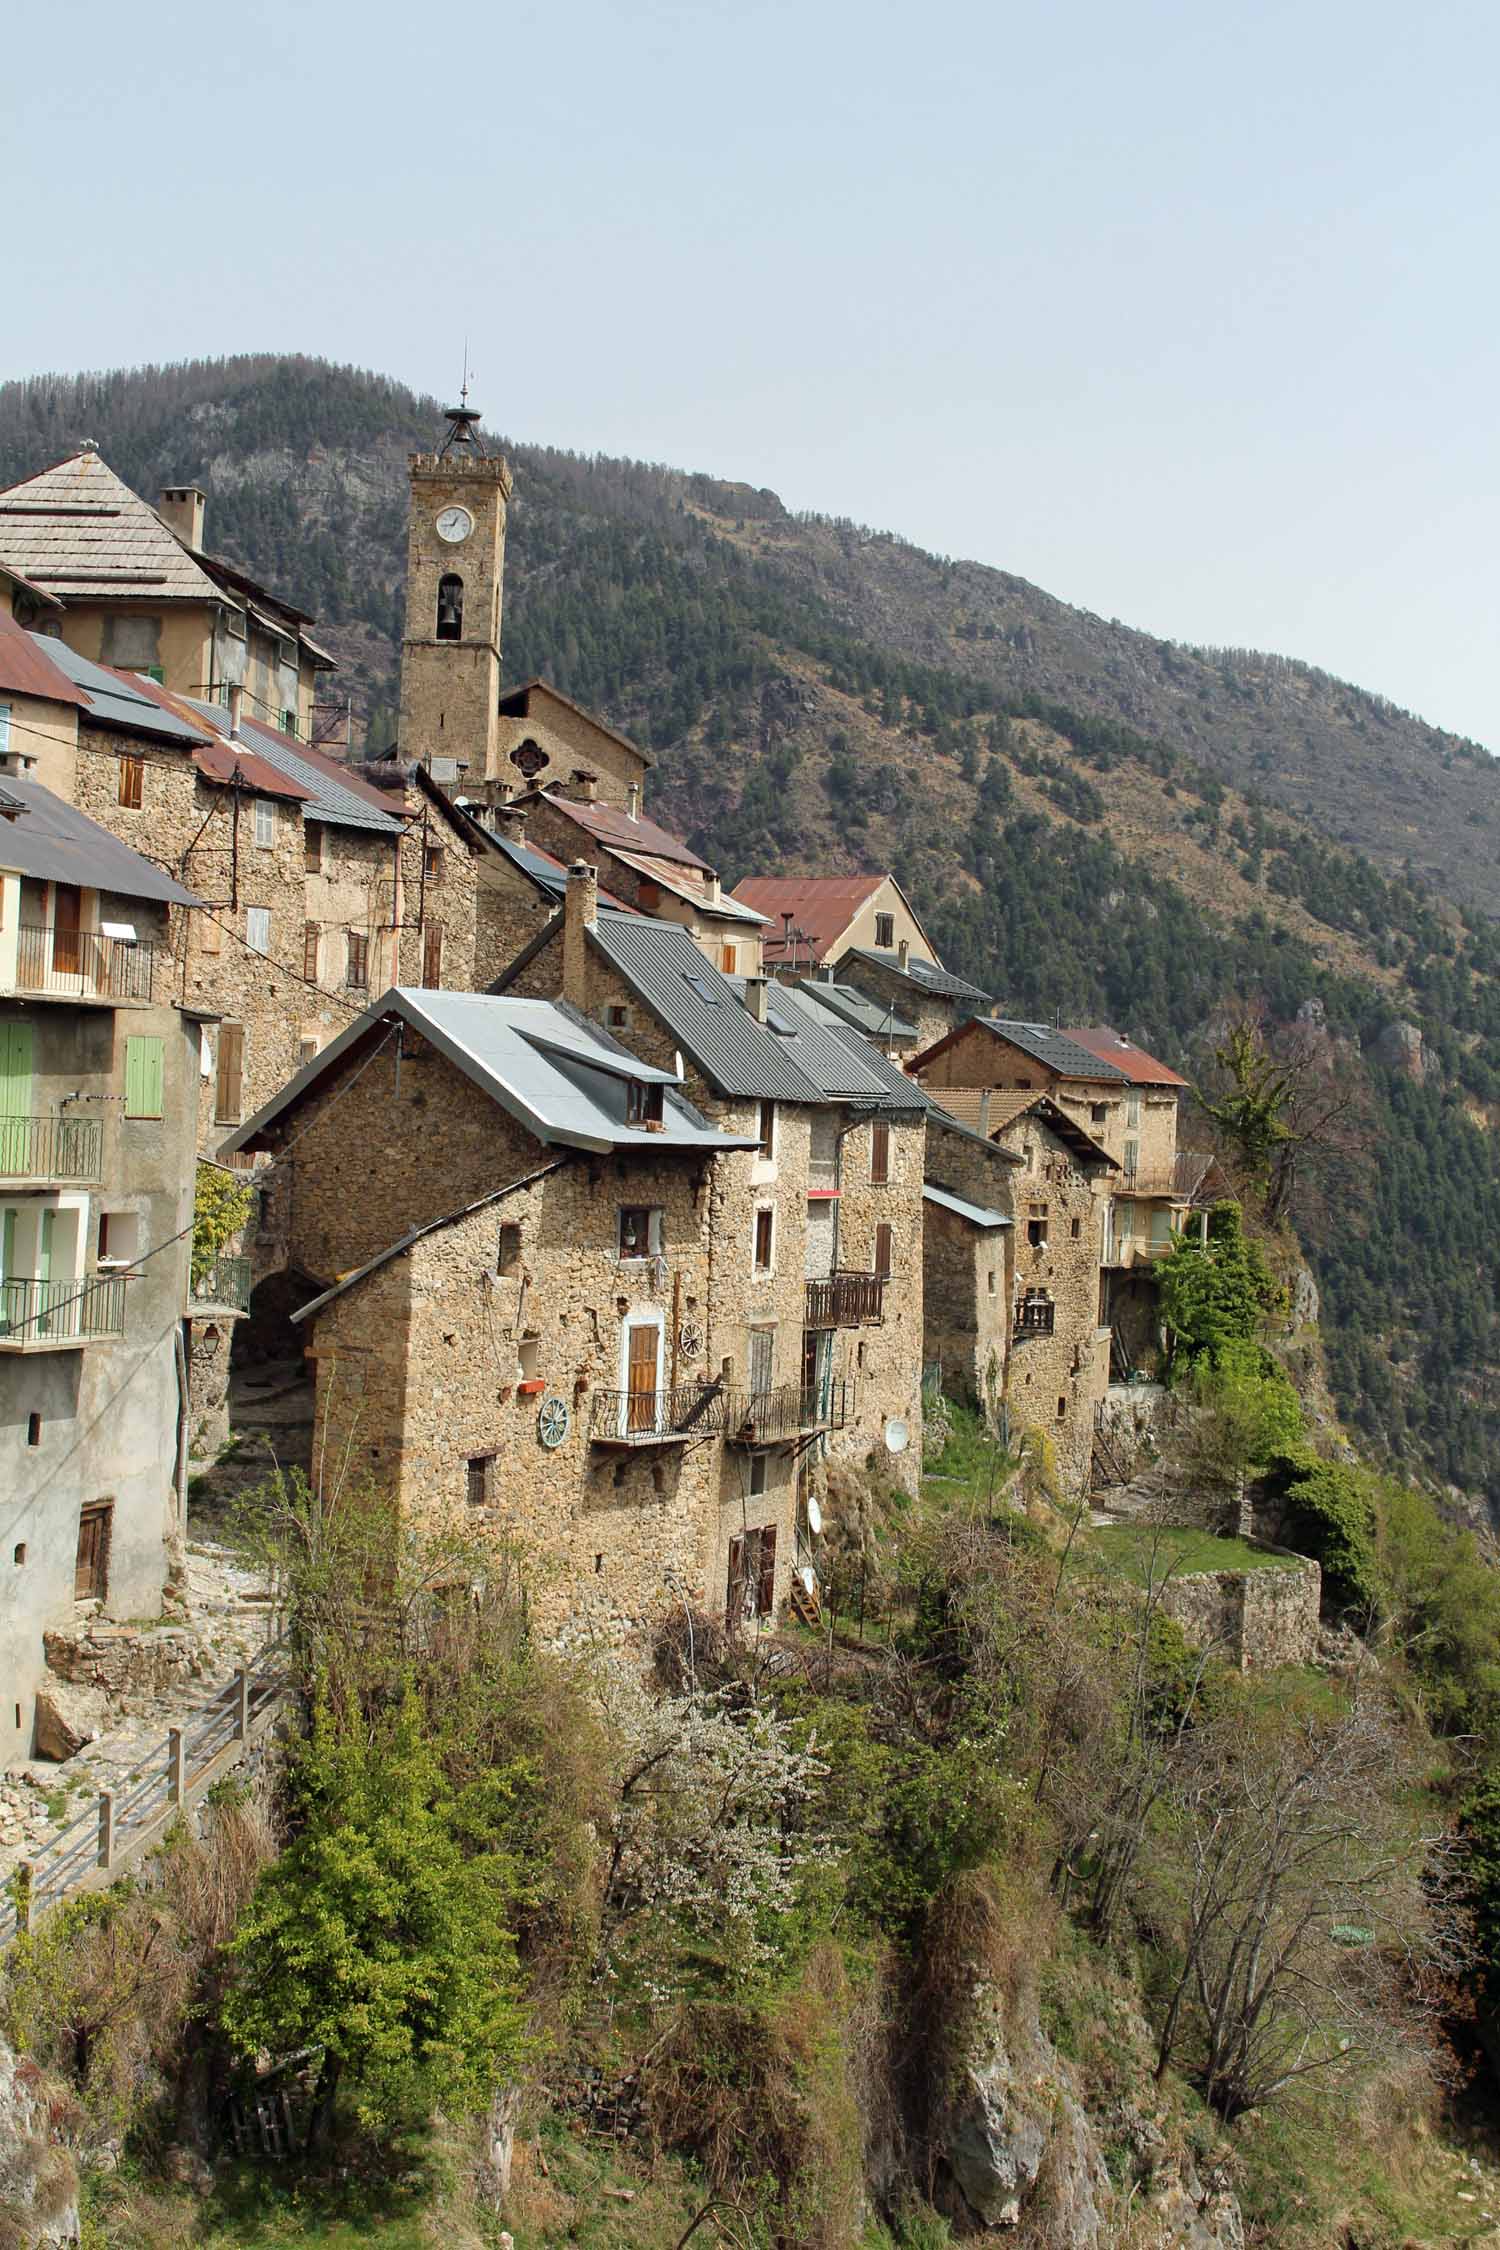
(38, 2181)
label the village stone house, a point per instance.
(814, 920)
(968, 1260)
(908, 987)
(99, 1067)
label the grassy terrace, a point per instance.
(1134, 1550)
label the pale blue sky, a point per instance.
(1186, 313)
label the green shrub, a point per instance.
(1218, 1293)
(1330, 1515)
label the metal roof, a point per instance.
(700, 1007)
(548, 874)
(676, 878)
(976, 1213)
(838, 1058)
(26, 666)
(1113, 1046)
(56, 843)
(874, 1018)
(1054, 1049)
(925, 975)
(561, 1077)
(616, 830)
(117, 699)
(326, 796)
(77, 530)
(822, 906)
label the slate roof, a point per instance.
(56, 843)
(26, 666)
(326, 793)
(560, 1076)
(1113, 1046)
(741, 1059)
(927, 976)
(976, 1213)
(122, 699)
(76, 529)
(1054, 1050)
(875, 1019)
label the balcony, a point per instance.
(44, 1149)
(224, 1287)
(63, 964)
(845, 1300)
(768, 1417)
(46, 1316)
(625, 1420)
(1035, 1316)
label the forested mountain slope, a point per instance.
(1093, 820)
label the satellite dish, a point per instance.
(814, 1519)
(809, 1579)
(897, 1436)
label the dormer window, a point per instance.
(450, 607)
(644, 1102)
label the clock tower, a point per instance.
(455, 563)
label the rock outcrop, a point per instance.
(38, 2180)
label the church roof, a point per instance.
(76, 530)
(515, 703)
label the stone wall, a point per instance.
(569, 740)
(964, 1294)
(933, 1018)
(1255, 1619)
(508, 910)
(1055, 1382)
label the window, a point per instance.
(356, 970)
(762, 1358)
(1062, 1410)
(768, 1129)
(617, 1017)
(132, 781)
(1024, 1084)
(119, 1237)
(312, 848)
(1132, 1158)
(885, 932)
(643, 1105)
(481, 1480)
(265, 823)
(1133, 1112)
(752, 1576)
(880, 1154)
(306, 1049)
(311, 939)
(4, 730)
(1036, 1225)
(1035, 1314)
(883, 1249)
(640, 1231)
(432, 863)
(765, 1240)
(230, 1075)
(143, 1069)
(450, 607)
(258, 929)
(33, 1429)
(729, 957)
(1099, 1113)
(760, 1465)
(288, 722)
(990, 1281)
(209, 933)
(1075, 1228)
(91, 1566)
(432, 956)
(508, 1250)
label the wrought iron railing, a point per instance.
(61, 1312)
(845, 1300)
(82, 964)
(762, 1417)
(227, 1282)
(686, 1410)
(49, 1148)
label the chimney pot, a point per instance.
(585, 785)
(903, 954)
(181, 510)
(711, 885)
(755, 997)
(635, 800)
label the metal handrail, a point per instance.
(227, 1282)
(82, 964)
(687, 1410)
(50, 1148)
(762, 1417)
(35, 1311)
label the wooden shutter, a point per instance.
(432, 956)
(132, 780)
(765, 1592)
(67, 914)
(143, 1077)
(883, 1248)
(762, 1358)
(734, 1601)
(641, 1414)
(227, 1092)
(91, 1565)
(15, 1069)
(310, 951)
(880, 1154)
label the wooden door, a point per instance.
(91, 1568)
(15, 1096)
(227, 1091)
(641, 1379)
(765, 1589)
(67, 915)
(734, 1599)
(432, 956)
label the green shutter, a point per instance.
(15, 1069)
(143, 1075)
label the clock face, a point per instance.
(454, 524)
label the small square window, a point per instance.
(312, 849)
(759, 1474)
(1099, 1113)
(1075, 1228)
(644, 1104)
(885, 932)
(265, 823)
(640, 1231)
(508, 1250)
(258, 928)
(765, 1237)
(481, 1480)
(132, 781)
(617, 1017)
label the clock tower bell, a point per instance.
(455, 563)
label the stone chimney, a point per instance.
(755, 997)
(512, 819)
(710, 886)
(634, 807)
(984, 1113)
(585, 786)
(181, 510)
(903, 956)
(580, 913)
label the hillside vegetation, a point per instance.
(1095, 824)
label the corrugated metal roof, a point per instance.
(925, 975)
(326, 795)
(56, 843)
(1053, 1048)
(822, 906)
(681, 880)
(562, 1078)
(119, 699)
(741, 1058)
(548, 874)
(976, 1213)
(76, 529)
(1113, 1046)
(26, 666)
(839, 1059)
(875, 1018)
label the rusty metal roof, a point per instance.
(1113, 1046)
(27, 669)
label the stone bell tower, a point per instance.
(455, 564)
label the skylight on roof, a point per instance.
(696, 984)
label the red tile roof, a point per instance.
(1113, 1046)
(822, 906)
(26, 668)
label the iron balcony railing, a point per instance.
(227, 1282)
(845, 1300)
(763, 1417)
(685, 1411)
(34, 1313)
(82, 964)
(49, 1148)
